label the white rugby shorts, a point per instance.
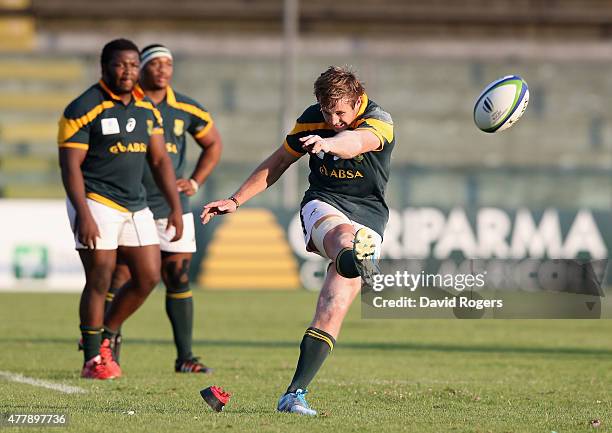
(186, 244)
(314, 210)
(117, 228)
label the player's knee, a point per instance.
(153, 279)
(177, 283)
(99, 278)
(176, 275)
(341, 236)
(121, 276)
(147, 281)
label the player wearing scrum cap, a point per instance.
(106, 137)
(181, 115)
(349, 139)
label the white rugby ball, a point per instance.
(501, 104)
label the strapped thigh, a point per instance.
(324, 226)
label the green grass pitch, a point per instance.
(401, 375)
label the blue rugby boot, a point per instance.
(295, 402)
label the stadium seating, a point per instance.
(35, 91)
(430, 101)
(253, 239)
(430, 97)
(16, 34)
(470, 17)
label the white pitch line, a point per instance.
(19, 378)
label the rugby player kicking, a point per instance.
(349, 139)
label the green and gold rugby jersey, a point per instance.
(354, 186)
(181, 114)
(116, 137)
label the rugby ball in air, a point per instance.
(501, 104)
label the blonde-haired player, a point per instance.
(349, 139)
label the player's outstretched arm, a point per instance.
(163, 172)
(264, 176)
(219, 207)
(344, 145)
(74, 184)
(212, 146)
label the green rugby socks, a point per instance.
(315, 347)
(108, 333)
(92, 338)
(179, 308)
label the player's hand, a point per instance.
(315, 144)
(175, 219)
(87, 231)
(186, 186)
(218, 207)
